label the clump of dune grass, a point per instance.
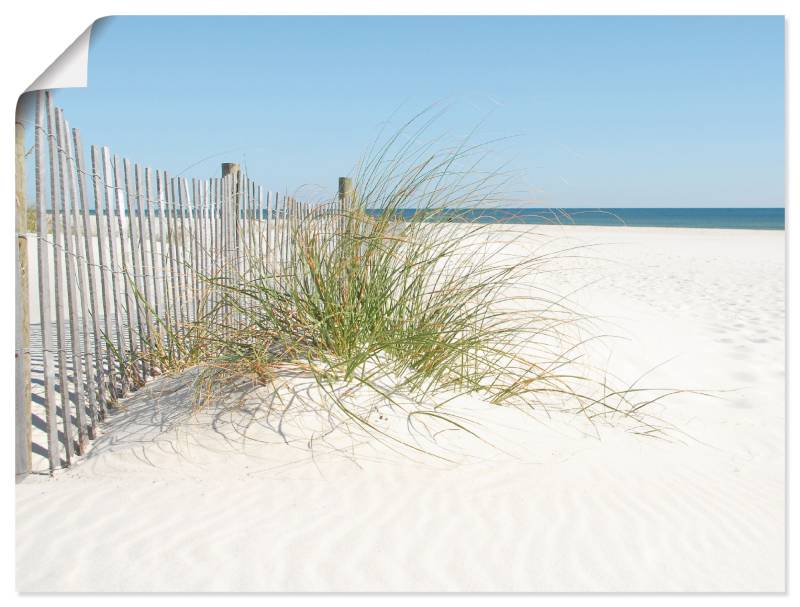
(403, 291)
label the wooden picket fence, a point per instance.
(123, 253)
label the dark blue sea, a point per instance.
(732, 218)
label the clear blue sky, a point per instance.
(601, 111)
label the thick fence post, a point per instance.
(345, 189)
(22, 431)
(232, 171)
(230, 168)
(343, 204)
(345, 197)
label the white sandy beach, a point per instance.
(168, 501)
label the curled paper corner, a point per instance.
(71, 69)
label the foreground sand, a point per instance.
(167, 501)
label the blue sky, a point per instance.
(592, 111)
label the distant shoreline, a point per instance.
(767, 218)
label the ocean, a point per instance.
(722, 218)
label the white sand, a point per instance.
(170, 502)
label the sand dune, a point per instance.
(168, 500)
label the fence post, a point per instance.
(230, 212)
(345, 190)
(230, 168)
(23, 447)
(343, 204)
(233, 170)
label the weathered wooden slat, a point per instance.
(23, 439)
(92, 270)
(152, 270)
(210, 243)
(218, 237)
(272, 240)
(86, 372)
(233, 236)
(186, 241)
(254, 230)
(117, 275)
(298, 222)
(135, 249)
(278, 229)
(305, 227)
(249, 234)
(190, 194)
(208, 251)
(225, 252)
(253, 254)
(195, 214)
(173, 259)
(104, 273)
(285, 241)
(289, 238)
(172, 265)
(270, 249)
(292, 228)
(246, 234)
(146, 272)
(295, 227)
(254, 222)
(278, 236)
(180, 254)
(290, 234)
(72, 315)
(223, 257)
(197, 241)
(211, 213)
(238, 207)
(261, 249)
(128, 304)
(23, 433)
(257, 237)
(192, 204)
(133, 207)
(289, 222)
(243, 233)
(266, 226)
(202, 242)
(124, 180)
(229, 227)
(164, 260)
(180, 251)
(189, 236)
(45, 317)
(233, 225)
(208, 235)
(58, 258)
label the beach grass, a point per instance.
(416, 310)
